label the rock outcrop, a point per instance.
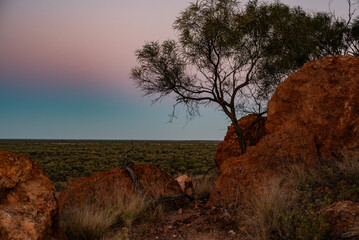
(313, 113)
(28, 207)
(253, 125)
(153, 181)
(321, 97)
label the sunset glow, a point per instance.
(64, 70)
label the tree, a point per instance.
(347, 30)
(229, 56)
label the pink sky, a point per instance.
(94, 41)
(91, 41)
(65, 65)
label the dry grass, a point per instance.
(352, 232)
(299, 176)
(349, 165)
(263, 214)
(97, 219)
(292, 210)
(87, 222)
(203, 185)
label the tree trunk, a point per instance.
(240, 135)
(252, 139)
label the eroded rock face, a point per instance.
(313, 113)
(28, 207)
(154, 182)
(321, 97)
(230, 146)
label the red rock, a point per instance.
(238, 177)
(28, 207)
(313, 113)
(343, 218)
(321, 97)
(230, 146)
(154, 182)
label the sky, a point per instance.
(65, 66)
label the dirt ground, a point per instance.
(193, 222)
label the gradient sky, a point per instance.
(65, 64)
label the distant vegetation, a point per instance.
(63, 159)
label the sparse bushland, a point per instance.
(66, 159)
(289, 207)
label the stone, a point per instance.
(154, 182)
(322, 98)
(186, 184)
(28, 207)
(313, 113)
(231, 232)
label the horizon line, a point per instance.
(104, 139)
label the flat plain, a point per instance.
(66, 159)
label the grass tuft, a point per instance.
(203, 185)
(264, 215)
(96, 219)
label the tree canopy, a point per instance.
(232, 56)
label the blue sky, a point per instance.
(64, 70)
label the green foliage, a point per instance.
(349, 193)
(2, 233)
(233, 56)
(308, 221)
(123, 234)
(63, 160)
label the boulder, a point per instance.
(343, 219)
(153, 181)
(28, 207)
(186, 184)
(321, 97)
(313, 113)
